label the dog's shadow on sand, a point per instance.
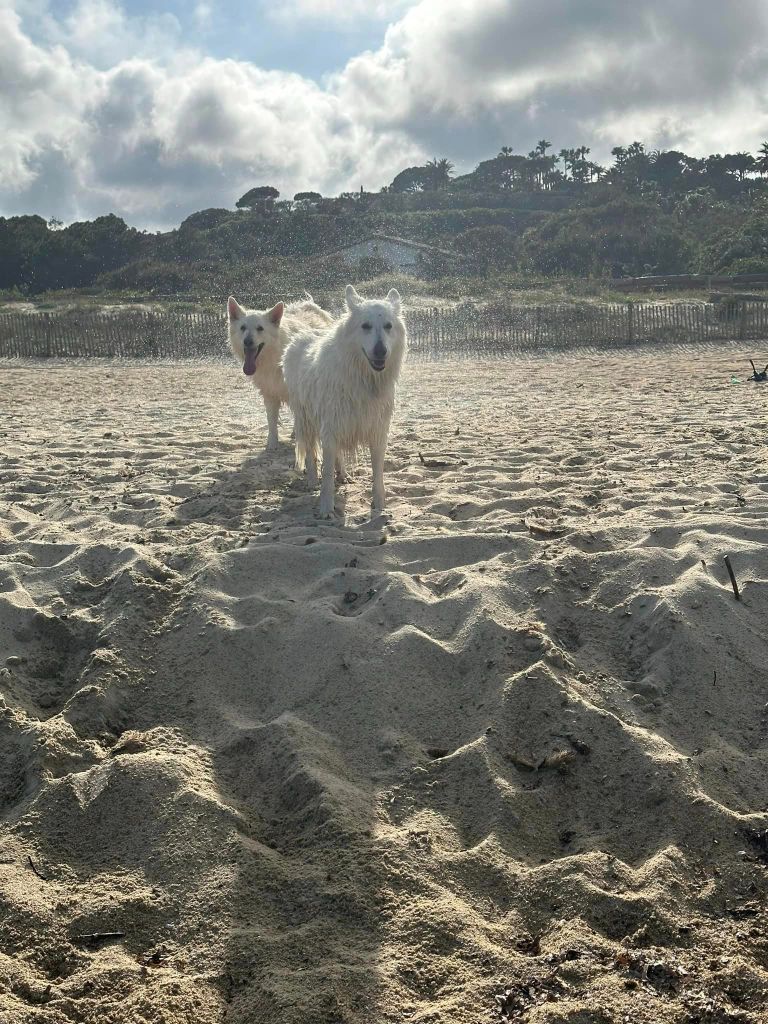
(265, 493)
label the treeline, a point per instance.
(544, 213)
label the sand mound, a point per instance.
(501, 757)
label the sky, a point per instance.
(155, 110)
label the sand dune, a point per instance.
(510, 742)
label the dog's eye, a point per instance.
(259, 328)
(387, 327)
(367, 327)
(243, 327)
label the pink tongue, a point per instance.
(249, 366)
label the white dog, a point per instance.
(257, 338)
(341, 388)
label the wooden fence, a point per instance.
(461, 330)
(661, 282)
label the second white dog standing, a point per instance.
(257, 339)
(341, 389)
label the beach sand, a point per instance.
(501, 756)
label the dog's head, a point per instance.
(377, 326)
(251, 330)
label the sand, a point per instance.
(501, 756)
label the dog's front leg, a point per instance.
(273, 414)
(328, 484)
(378, 450)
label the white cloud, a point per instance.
(101, 32)
(42, 101)
(108, 112)
(459, 72)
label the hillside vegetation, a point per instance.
(514, 220)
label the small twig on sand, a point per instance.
(92, 937)
(734, 584)
(440, 463)
(714, 678)
(38, 873)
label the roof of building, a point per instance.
(380, 236)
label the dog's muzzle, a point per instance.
(378, 358)
(251, 355)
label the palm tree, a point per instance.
(637, 164)
(762, 160)
(580, 166)
(743, 163)
(542, 146)
(439, 172)
(553, 177)
(567, 156)
(619, 154)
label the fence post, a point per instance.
(47, 335)
(742, 320)
(630, 321)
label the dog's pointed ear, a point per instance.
(276, 313)
(234, 309)
(393, 298)
(353, 299)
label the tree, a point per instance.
(412, 179)
(203, 220)
(568, 157)
(257, 197)
(667, 168)
(743, 164)
(307, 198)
(580, 166)
(438, 172)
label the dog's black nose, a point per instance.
(379, 351)
(248, 342)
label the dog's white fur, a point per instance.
(272, 329)
(341, 388)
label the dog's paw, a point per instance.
(325, 509)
